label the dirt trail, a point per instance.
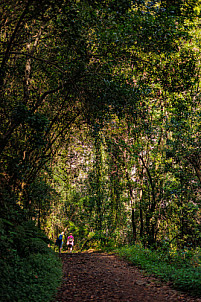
(102, 277)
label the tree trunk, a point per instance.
(133, 225)
(141, 216)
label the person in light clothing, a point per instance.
(70, 242)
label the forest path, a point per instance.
(104, 277)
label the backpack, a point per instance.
(59, 240)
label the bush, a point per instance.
(30, 270)
(33, 279)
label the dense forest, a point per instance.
(100, 129)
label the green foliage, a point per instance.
(179, 267)
(34, 278)
(30, 270)
(100, 100)
(98, 241)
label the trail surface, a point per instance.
(102, 277)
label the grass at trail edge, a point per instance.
(183, 270)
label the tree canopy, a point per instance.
(100, 117)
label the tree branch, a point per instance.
(6, 56)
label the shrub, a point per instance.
(30, 270)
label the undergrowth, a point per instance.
(30, 270)
(181, 268)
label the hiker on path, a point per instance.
(59, 241)
(70, 242)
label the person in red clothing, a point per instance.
(70, 242)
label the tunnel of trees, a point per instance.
(100, 121)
